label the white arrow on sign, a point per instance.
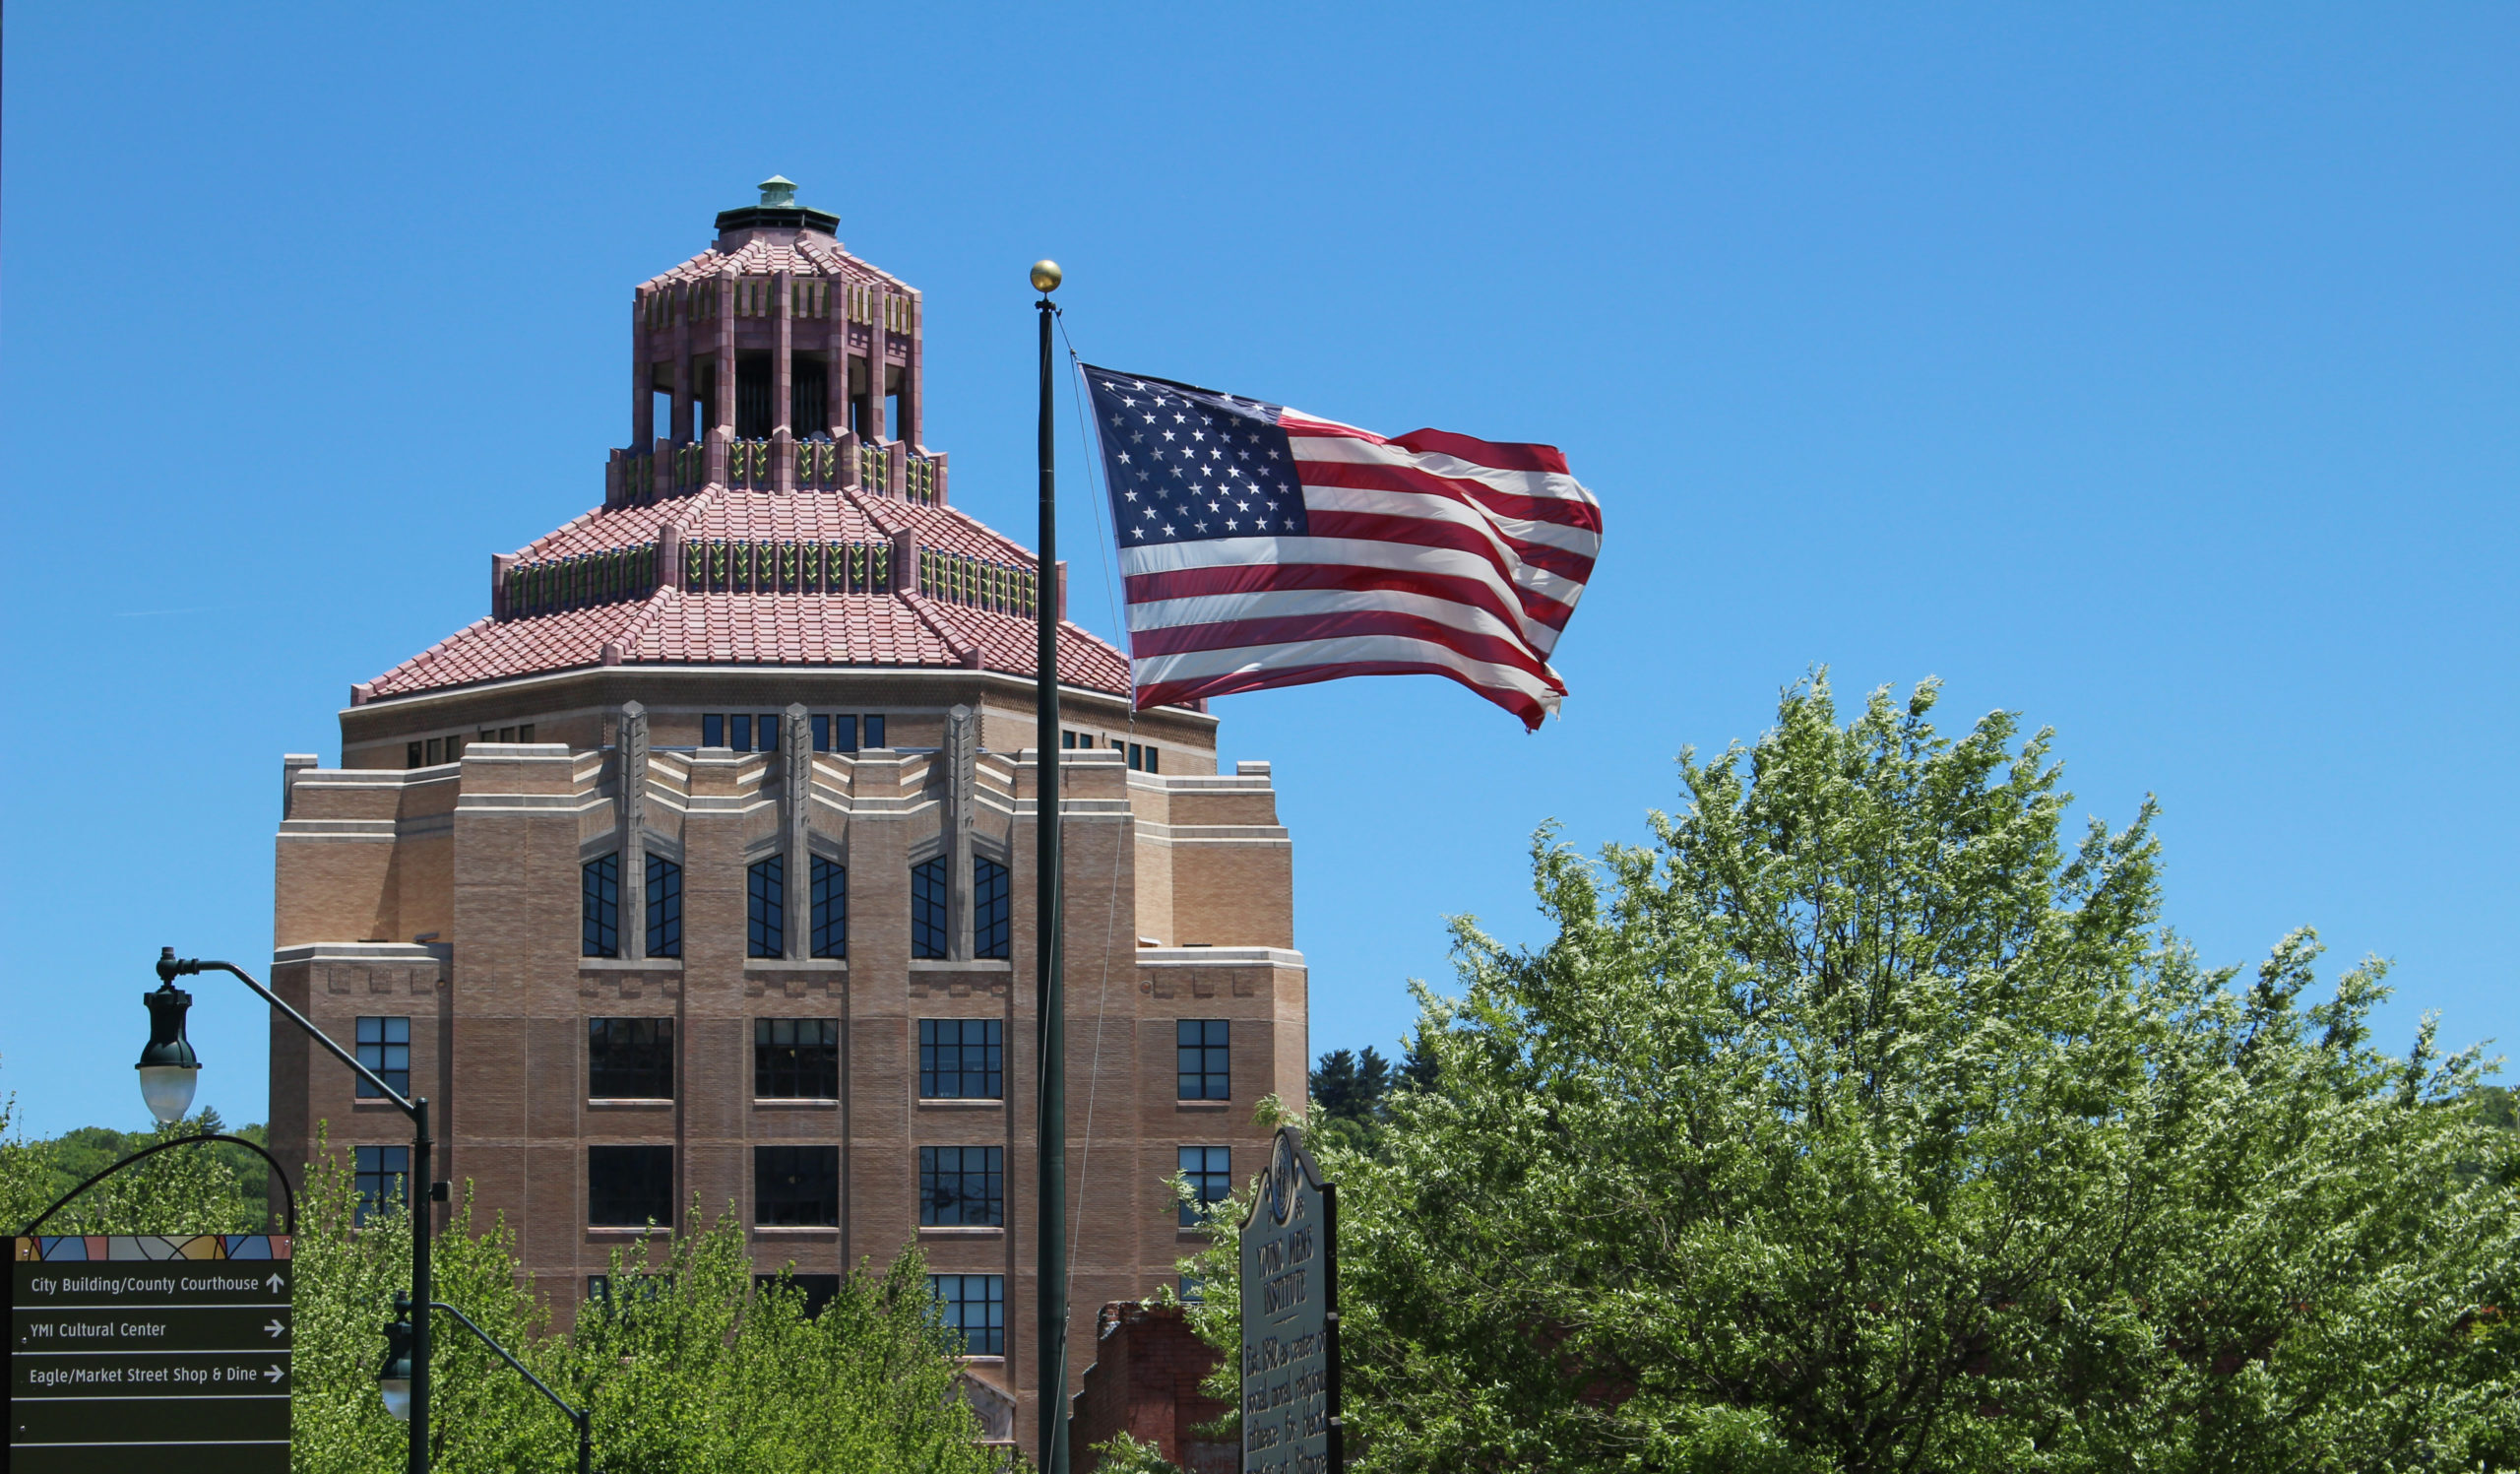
(275, 1329)
(278, 1284)
(273, 1372)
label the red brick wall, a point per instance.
(1144, 1382)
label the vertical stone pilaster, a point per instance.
(722, 431)
(881, 300)
(684, 386)
(836, 356)
(904, 562)
(910, 407)
(962, 780)
(797, 794)
(630, 751)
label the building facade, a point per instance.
(700, 870)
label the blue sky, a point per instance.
(2154, 373)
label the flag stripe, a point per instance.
(1408, 492)
(1257, 630)
(1556, 498)
(1211, 666)
(1248, 565)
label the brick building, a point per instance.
(700, 868)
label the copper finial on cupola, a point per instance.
(778, 192)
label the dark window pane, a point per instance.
(713, 730)
(796, 1186)
(436, 744)
(962, 1059)
(665, 906)
(416, 755)
(524, 733)
(962, 1186)
(819, 1290)
(630, 1058)
(385, 1047)
(822, 733)
(766, 909)
(989, 913)
(769, 732)
(795, 1058)
(844, 733)
(874, 731)
(629, 1186)
(831, 909)
(383, 1175)
(1205, 1060)
(927, 908)
(1152, 765)
(600, 936)
(975, 1306)
(1210, 1172)
(741, 734)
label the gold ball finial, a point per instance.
(1046, 276)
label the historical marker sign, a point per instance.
(150, 1352)
(1290, 1319)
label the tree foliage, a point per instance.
(1865, 1120)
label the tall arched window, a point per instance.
(601, 933)
(766, 909)
(990, 922)
(928, 910)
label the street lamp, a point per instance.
(394, 1374)
(167, 1069)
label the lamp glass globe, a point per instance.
(398, 1396)
(168, 1090)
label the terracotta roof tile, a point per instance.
(781, 630)
(491, 650)
(760, 255)
(604, 528)
(806, 517)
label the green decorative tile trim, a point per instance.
(555, 585)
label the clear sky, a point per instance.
(2153, 371)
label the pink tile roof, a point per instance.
(674, 627)
(759, 256)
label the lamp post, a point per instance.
(393, 1374)
(168, 1069)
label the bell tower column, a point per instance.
(782, 432)
(722, 434)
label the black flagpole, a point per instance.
(1048, 992)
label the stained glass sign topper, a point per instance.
(174, 1350)
(1290, 1319)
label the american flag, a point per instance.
(1264, 547)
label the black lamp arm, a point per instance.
(170, 966)
(557, 1400)
(287, 1194)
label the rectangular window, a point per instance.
(640, 1287)
(383, 1175)
(600, 935)
(1210, 1172)
(435, 745)
(630, 1058)
(1206, 1059)
(795, 1058)
(740, 731)
(819, 1290)
(874, 731)
(962, 1187)
(991, 931)
(831, 909)
(1193, 1291)
(713, 730)
(385, 1047)
(796, 1186)
(766, 729)
(927, 908)
(1141, 758)
(1071, 740)
(416, 755)
(766, 909)
(629, 1186)
(962, 1059)
(975, 1306)
(665, 906)
(836, 731)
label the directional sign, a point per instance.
(1290, 1319)
(150, 1352)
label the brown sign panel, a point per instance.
(149, 1351)
(1290, 1319)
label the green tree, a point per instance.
(1864, 1122)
